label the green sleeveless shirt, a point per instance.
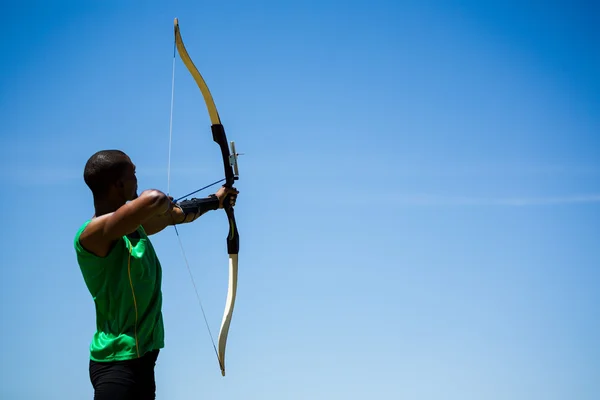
(126, 288)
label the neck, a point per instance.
(106, 206)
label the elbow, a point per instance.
(156, 200)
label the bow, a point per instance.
(231, 174)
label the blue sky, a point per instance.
(420, 196)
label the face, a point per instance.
(128, 182)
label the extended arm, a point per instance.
(185, 212)
(190, 210)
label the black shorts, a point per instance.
(125, 380)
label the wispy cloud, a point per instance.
(490, 170)
(40, 175)
(48, 175)
(442, 200)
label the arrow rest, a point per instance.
(233, 160)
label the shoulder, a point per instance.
(84, 254)
(76, 242)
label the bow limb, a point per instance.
(230, 167)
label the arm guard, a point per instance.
(199, 205)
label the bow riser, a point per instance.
(229, 164)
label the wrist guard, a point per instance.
(199, 205)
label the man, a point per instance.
(123, 273)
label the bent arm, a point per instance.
(159, 222)
(101, 233)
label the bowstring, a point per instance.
(189, 194)
(196, 290)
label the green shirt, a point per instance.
(126, 288)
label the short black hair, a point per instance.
(103, 169)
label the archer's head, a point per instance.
(110, 175)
